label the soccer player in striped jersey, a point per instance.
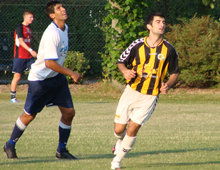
(47, 83)
(22, 51)
(144, 65)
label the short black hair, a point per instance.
(50, 8)
(150, 18)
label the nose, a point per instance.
(63, 9)
(163, 24)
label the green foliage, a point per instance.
(128, 17)
(77, 62)
(197, 43)
(174, 9)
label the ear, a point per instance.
(148, 26)
(52, 16)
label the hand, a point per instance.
(164, 88)
(33, 53)
(76, 76)
(129, 74)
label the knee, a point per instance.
(17, 76)
(119, 131)
(26, 119)
(69, 114)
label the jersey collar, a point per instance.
(145, 42)
(55, 24)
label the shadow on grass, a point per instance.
(25, 160)
(179, 164)
(170, 151)
(33, 160)
(136, 154)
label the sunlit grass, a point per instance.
(182, 134)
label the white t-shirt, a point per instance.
(53, 46)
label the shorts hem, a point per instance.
(27, 112)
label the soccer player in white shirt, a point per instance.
(47, 82)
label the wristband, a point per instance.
(30, 50)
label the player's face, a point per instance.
(29, 18)
(60, 12)
(158, 25)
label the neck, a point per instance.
(25, 23)
(154, 41)
(60, 24)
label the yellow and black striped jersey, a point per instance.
(150, 64)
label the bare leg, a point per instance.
(14, 82)
(127, 143)
(26, 119)
(67, 115)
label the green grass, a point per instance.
(182, 134)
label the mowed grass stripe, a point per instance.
(181, 134)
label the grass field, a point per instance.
(182, 134)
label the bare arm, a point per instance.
(128, 74)
(165, 86)
(58, 68)
(25, 46)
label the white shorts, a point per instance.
(135, 106)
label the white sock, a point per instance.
(20, 124)
(125, 147)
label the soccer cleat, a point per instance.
(65, 155)
(14, 100)
(115, 165)
(11, 154)
(116, 147)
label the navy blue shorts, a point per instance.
(19, 65)
(49, 92)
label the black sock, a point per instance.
(13, 93)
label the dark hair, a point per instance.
(50, 8)
(27, 12)
(150, 18)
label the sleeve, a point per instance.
(128, 55)
(51, 43)
(173, 62)
(19, 31)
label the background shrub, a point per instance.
(77, 62)
(197, 43)
(128, 17)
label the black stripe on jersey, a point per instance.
(140, 85)
(147, 54)
(133, 80)
(137, 59)
(147, 57)
(152, 81)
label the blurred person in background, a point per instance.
(22, 51)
